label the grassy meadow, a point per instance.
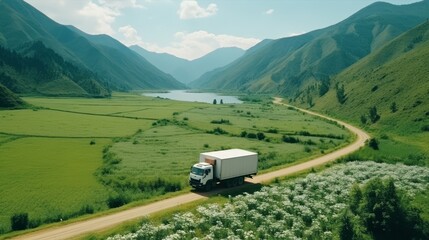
(66, 157)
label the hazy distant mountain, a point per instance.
(117, 65)
(185, 70)
(394, 79)
(291, 65)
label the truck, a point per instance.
(228, 167)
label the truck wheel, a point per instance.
(235, 182)
(208, 186)
(240, 180)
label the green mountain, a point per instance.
(393, 79)
(8, 99)
(121, 68)
(36, 69)
(291, 65)
(186, 71)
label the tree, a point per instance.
(341, 94)
(324, 88)
(393, 107)
(378, 210)
(260, 136)
(214, 101)
(373, 115)
(363, 119)
(19, 221)
(346, 229)
(373, 143)
(355, 198)
(221, 101)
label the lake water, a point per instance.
(184, 95)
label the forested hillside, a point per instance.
(290, 66)
(393, 82)
(9, 100)
(119, 67)
(39, 70)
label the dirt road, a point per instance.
(76, 229)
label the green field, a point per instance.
(67, 157)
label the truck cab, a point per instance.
(201, 175)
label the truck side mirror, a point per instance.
(207, 172)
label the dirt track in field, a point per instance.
(77, 229)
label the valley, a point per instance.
(109, 152)
(91, 146)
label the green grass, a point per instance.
(50, 179)
(51, 170)
(42, 122)
(172, 145)
(396, 73)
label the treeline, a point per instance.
(36, 64)
(378, 211)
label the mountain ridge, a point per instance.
(188, 70)
(35, 69)
(393, 79)
(120, 67)
(290, 65)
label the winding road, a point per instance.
(77, 229)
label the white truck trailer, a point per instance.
(226, 166)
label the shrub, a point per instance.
(373, 115)
(425, 128)
(393, 107)
(289, 139)
(218, 131)
(307, 149)
(251, 135)
(363, 119)
(243, 134)
(260, 136)
(341, 95)
(92, 142)
(373, 143)
(304, 133)
(221, 121)
(309, 142)
(272, 130)
(206, 145)
(117, 200)
(19, 221)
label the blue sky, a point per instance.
(190, 28)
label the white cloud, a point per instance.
(91, 16)
(269, 11)
(102, 15)
(197, 44)
(191, 9)
(131, 36)
(295, 34)
(120, 4)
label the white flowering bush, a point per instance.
(305, 208)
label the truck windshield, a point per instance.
(197, 171)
